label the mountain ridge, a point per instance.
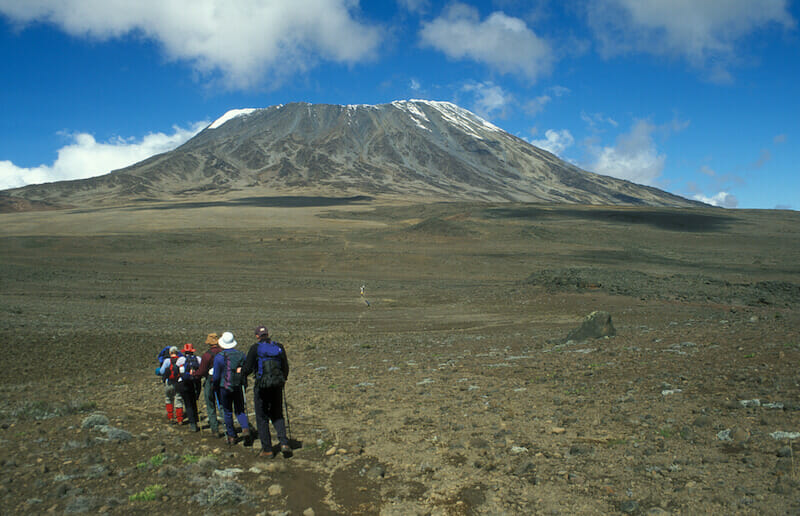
(412, 149)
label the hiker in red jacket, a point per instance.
(206, 371)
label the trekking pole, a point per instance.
(286, 408)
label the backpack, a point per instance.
(173, 372)
(189, 366)
(233, 374)
(269, 373)
(163, 355)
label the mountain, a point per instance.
(416, 149)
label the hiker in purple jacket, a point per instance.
(229, 380)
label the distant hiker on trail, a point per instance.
(170, 372)
(364, 294)
(206, 370)
(266, 360)
(188, 386)
(229, 379)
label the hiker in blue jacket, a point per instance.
(266, 360)
(229, 380)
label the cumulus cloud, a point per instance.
(489, 99)
(707, 34)
(240, 40)
(721, 199)
(86, 157)
(634, 157)
(501, 42)
(555, 141)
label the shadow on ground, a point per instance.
(671, 220)
(264, 202)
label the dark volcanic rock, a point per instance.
(596, 325)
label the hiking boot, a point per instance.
(286, 450)
(266, 454)
(193, 427)
(247, 436)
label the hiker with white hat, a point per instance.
(229, 378)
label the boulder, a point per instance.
(596, 325)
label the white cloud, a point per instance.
(555, 141)
(634, 157)
(536, 105)
(241, 40)
(500, 41)
(86, 157)
(415, 85)
(721, 199)
(780, 138)
(490, 99)
(593, 120)
(708, 171)
(706, 33)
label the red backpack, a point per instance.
(173, 372)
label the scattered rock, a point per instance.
(94, 420)
(596, 325)
(629, 506)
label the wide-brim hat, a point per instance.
(173, 350)
(212, 339)
(227, 341)
(188, 348)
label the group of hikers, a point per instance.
(220, 374)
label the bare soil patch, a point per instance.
(454, 391)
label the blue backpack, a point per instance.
(191, 365)
(269, 373)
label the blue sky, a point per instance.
(697, 97)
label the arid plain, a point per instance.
(452, 391)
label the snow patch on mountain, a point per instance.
(233, 113)
(460, 117)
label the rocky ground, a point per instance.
(456, 391)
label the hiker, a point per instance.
(206, 371)
(266, 360)
(170, 372)
(229, 379)
(189, 386)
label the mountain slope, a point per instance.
(411, 149)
